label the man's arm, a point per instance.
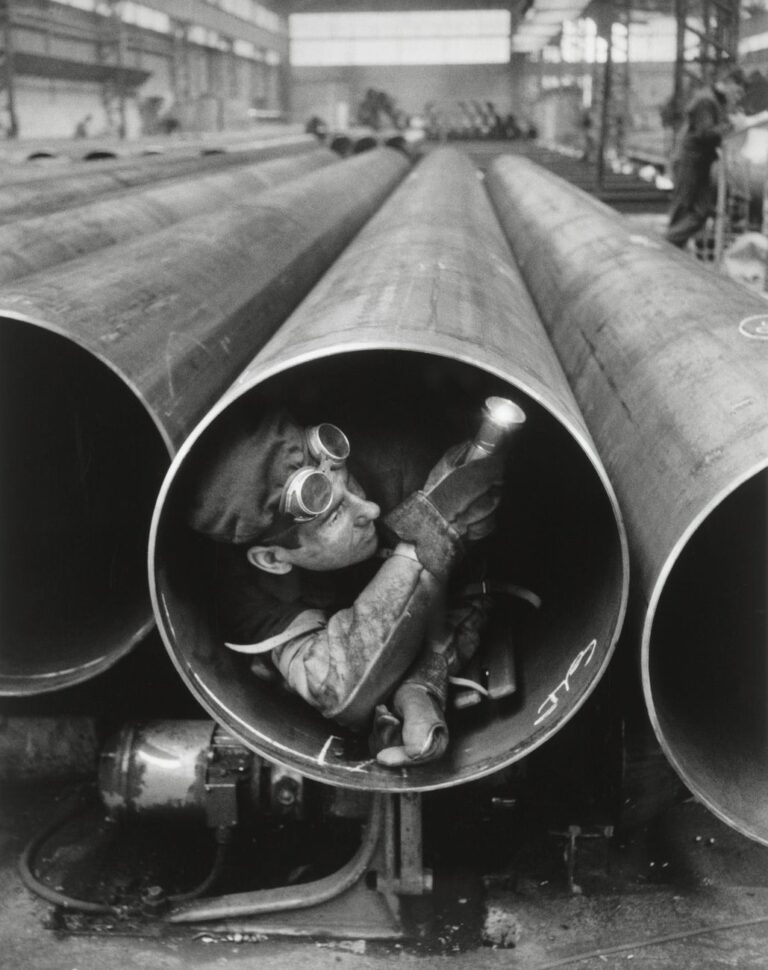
(359, 655)
(354, 661)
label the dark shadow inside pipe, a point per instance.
(365, 144)
(707, 663)
(342, 145)
(36, 156)
(398, 142)
(81, 465)
(98, 155)
(556, 536)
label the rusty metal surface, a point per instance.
(33, 244)
(421, 318)
(41, 193)
(669, 363)
(107, 362)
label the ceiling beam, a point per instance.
(373, 6)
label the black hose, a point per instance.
(222, 841)
(70, 809)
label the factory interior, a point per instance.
(535, 227)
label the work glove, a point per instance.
(416, 731)
(455, 507)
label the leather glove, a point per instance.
(465, 626)
(456, 506)
(418, 732)
(423, 732)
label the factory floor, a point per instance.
(683, 891)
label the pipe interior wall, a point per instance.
(34, 244)
(669, 363)
(422, 317)
(107, 362)
(48, 192)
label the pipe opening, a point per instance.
(99, 154)
(707, 661)
(81, 468)
(365, 144)
(342, 145)
(398, 142)
(556, 536)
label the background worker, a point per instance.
(352, 607)
(707, 121)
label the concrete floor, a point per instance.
(682, 892)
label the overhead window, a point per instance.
(408, 37)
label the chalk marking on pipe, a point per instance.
(565, 684)
(179, 336)
(755, 327)
(326, 746)
(742, 404)
(362, 765)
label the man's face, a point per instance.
(733, 92)
(343, 535)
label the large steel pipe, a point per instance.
(421, 318)
(31, 245)
(669, 363)
(106, 363)
(45, 192)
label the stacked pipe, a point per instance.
(39, 193)
(107, 362)
(35, 243)
(421, 318)
(669, 363)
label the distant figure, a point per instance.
(588, 138)
(707, 120)
(497, 125)
(316, 126)
(81, 128)
(512, 129)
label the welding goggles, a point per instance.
(309, 490)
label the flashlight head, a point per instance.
(505, 414)
(500, 418)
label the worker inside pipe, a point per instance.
(364, 608)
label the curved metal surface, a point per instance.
(422, 317)
(107, 362)
(34, 244)
(669, 362)
(38, 193)
(281, 898)
(158, 767)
